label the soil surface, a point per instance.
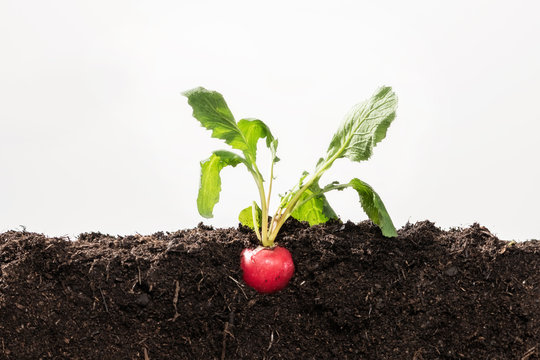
(428, 294)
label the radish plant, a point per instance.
(362, 129)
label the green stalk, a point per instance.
(270, 226)
(270, 186)
(269, 234)
(291, 205)
(288, 211)
(325, 190)
(264, 207)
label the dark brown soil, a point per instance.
(429, 294)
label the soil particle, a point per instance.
(428, 294)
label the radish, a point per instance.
(267, 270)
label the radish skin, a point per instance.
(267, 270)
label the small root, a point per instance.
(529, 353)
(104, 301)
(225, 333)
(271, 340)
(175, 300)
(146, 354)
(239, 285)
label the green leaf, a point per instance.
(273, 149)
(364, 126)
(210, 108)
(210, 185)
(253, 130)
(212, 111)
(246, 216)
(374, 207)
(313, 207)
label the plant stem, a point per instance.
(288, 211)
(291, 205)
(264, 207)
(270, 185)
(325, 190)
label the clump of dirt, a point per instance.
(428, 294)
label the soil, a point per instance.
(428, 294)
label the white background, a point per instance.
(95, 136)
